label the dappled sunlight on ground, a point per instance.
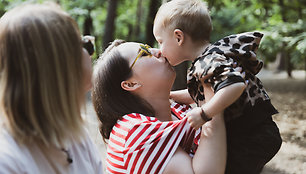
(289, 97)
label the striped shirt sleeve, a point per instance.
(141, 144)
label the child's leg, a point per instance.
(249, 152)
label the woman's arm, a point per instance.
(210, 156)
(180, 163)
(181, 96)
(211, 153)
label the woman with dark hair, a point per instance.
(147, 133)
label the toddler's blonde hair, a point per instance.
(190, 16)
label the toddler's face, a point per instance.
(167, 44)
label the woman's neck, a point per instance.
(161, 106)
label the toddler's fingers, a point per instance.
(235, 64)
(191, 124)
(196, 127)
(243, 74)
(239, 69)
(189, 119)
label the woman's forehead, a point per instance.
(129, 45)
(129, 49)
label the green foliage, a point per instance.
(282, 23)
(286, 36)
(126, 18)
(232, 19)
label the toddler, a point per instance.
(182, 29)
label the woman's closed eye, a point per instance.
(146, 54)
(142, 52)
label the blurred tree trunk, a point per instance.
(87, 27)
(2, 12)
(289, 65)
(136, 32)
(110, 23)
(181, 76)
(283, 10)
(300, 12)
(3, 5)
(130, 33)
(283, 62)
(280, 61)
(285, 53)
(153, 7)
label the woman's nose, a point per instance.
(156, 52)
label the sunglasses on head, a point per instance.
(88, 44)
(144, 51)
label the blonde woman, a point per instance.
(44, 75)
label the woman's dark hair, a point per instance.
(110, 101)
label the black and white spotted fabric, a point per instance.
(216, 66)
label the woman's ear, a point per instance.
(179, 36)
(130, 86)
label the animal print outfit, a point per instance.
(253, 138)
(216, 67)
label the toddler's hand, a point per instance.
(240, 70)
(194, 118)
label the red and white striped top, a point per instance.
(142, 144)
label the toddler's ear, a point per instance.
(179, 36)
